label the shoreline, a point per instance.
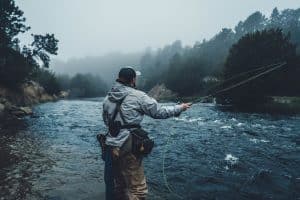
(279, 105)
(17, 103)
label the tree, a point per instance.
(275, 16)
(185, 75)
(14, 67)
(258, 49)
(207, 58)
(64, 81)
(155, 65)
(48, 81)
(21, 64)
(43, 45)
(254, 22)
(87, 85)
(11, 23)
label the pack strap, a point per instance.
(125, 124)
(118, 105)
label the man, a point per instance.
(124, 173)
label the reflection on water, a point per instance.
(212, 154)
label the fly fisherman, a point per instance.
(126, 143)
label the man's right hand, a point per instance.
(186, 106)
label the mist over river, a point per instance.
(211, 154)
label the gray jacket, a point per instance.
(135, 105)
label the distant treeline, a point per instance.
(78, 85)
(107, 66)
(257, 41)
(188, 71)
(82, 85)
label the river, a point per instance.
(210, 154)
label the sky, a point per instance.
(98, 27)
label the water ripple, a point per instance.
(212, 154)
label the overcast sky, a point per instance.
(96, 27)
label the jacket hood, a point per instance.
(118, 92)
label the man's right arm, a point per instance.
(155, 110)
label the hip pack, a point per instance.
(141, 143)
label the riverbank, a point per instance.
(285, 105)
(277, 105)
(16, 103)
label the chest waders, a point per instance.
(110, 162)
(141, 145)
(109, 174)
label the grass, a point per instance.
(288, 105)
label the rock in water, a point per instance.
(46, 97)
(161, 92)
(26, 110)
(20, 111)
(64, 94)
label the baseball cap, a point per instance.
(128, 73)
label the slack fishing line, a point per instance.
(267, 68)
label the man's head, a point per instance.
(127, 75)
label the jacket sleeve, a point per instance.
(153, 109)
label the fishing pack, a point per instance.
(141, 144)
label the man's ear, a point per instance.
(133, 83)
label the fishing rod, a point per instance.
(273, 68)
(252, 70)
(269, 69)
(249, 79)
(245, 73)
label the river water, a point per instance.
(209, 154)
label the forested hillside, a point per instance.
(193, 70)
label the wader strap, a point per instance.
(128, 126)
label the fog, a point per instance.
(106, 66)
(100, 37)
(98, 27)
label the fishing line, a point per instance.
(249, 79)
(274, 67)
(250, 71)
(163, 168)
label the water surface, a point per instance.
(210, 154)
